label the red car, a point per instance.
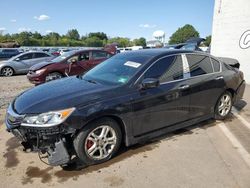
(68, 64)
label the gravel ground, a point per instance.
(10, 87)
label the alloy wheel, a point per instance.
(7, 71)
(100, 142)
(225, 104)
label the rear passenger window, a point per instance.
(199, 65)
(26, 56)
(166, 69)
(40, 55)
(99, 55)
(216, 65)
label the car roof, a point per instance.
(87, 50)
(158, 52)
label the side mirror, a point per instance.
(150, 83)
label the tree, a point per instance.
(183, 34)
(73, 34)
(207, 42)
(140, 42)
(122, 42)
(100, 35)
(23, 38)
(93, 42)
(37, 35)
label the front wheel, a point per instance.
(7, 71)
(98, 141)
(223, 106)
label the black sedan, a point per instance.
(129, 98)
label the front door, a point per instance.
(80, 65)
(23, 62)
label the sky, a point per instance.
(126, 18)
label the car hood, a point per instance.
(40, 65)
(60, 94)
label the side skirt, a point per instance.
(148, 136)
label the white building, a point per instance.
(231, 32)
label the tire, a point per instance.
(92, 143)
(53, 76)
(223, 106)
(7, 71)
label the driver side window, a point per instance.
(75, 57)
(25, 56)
(84, 56)
(166, 69)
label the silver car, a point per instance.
(21, 63)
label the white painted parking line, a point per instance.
(243, 120)
(244, 154)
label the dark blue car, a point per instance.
(7, 53)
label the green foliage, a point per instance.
(122, 42)
(94, 41)
(183, 34)
(73, 34)
(72, 38)
(140, 42)
(99, 35)
(207, 42)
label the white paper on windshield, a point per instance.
(132, 64)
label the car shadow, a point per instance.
(127, 152)
(77, 169)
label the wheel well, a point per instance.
(56, 72)
(231, 91)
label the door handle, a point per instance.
(219, 78)
(184, 87)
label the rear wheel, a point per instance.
(98, 142)
(223, 106)
(7, 71)
(53, 76)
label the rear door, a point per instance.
(38, 57)
(205, 85)
(166, 104)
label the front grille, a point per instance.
(41, 131)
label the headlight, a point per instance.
(48, 119)
(40, 71)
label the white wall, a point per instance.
(231, 21)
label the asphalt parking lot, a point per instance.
(209, 154)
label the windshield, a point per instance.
(117, 70)
(63, 56)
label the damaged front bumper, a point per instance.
(53, 144)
